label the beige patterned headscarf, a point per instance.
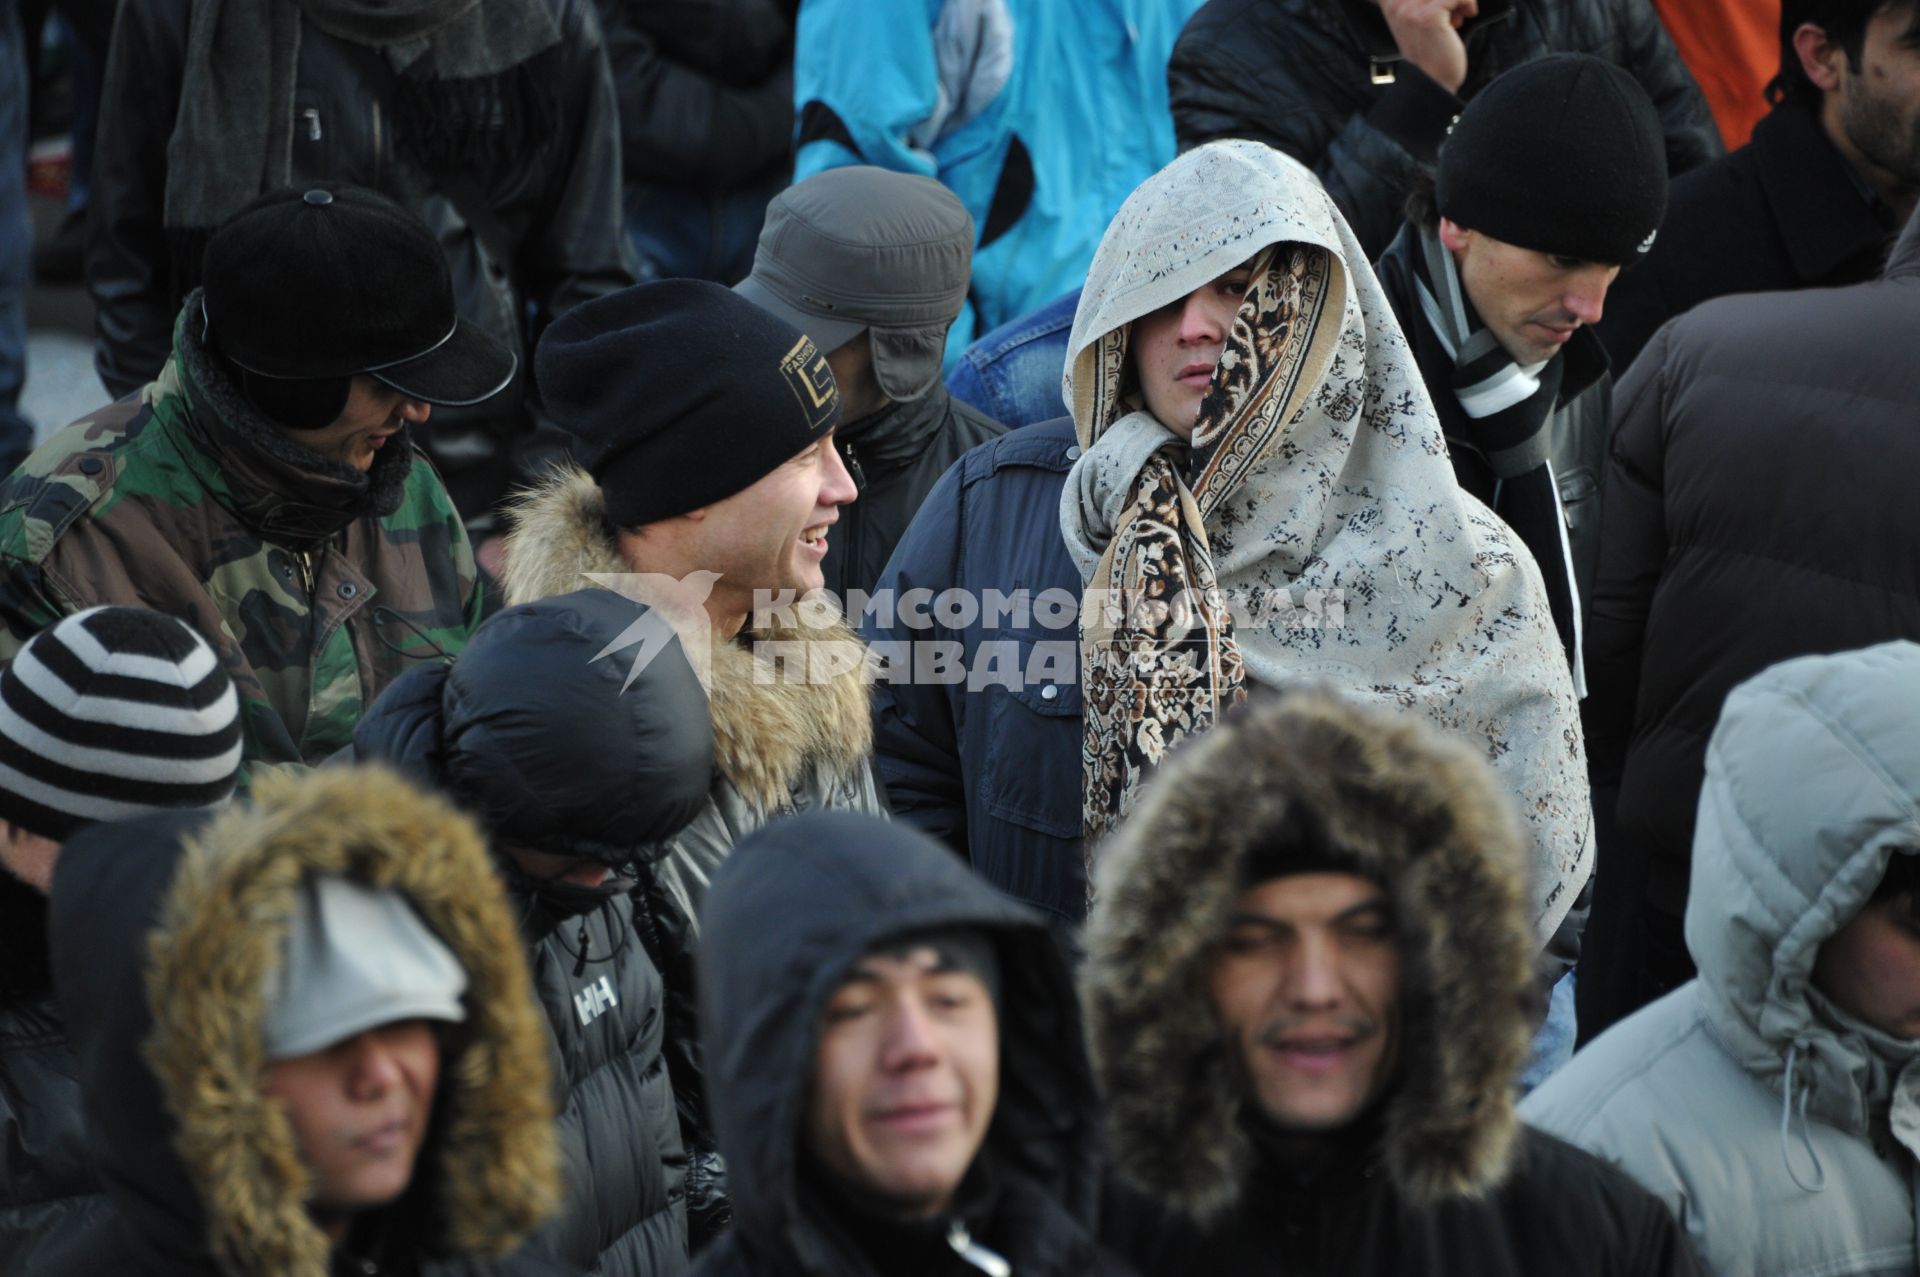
(1313, 530)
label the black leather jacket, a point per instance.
(558, 205)
(1323, 81)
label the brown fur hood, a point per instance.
(1419, 812)
(769, 731)
(225, 1176)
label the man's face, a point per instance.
(905, 1077)
(1307, 987)
(1175, 349)
(773, 535)
(575, 871)
(1870, 967)
(359, 1111)
(1531, 302)
(860, 393)
(374, 414)
(1877, 108)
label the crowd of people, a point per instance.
(809, 638)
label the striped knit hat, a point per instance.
(112, 713)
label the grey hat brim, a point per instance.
(828, 333)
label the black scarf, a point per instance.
(1502, 413)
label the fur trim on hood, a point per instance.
(769, 728)
(1420, 813)
(222, 924)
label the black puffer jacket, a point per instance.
(553, 752)
(895, 457)
(1299, 76)
(202, 1174)
(789, 912)
(48, 1187)
(557, 202)
(706, 88)
(1782, 212)
(1758, 508)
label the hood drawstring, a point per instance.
(579, 956)
(974, 1254)
(1806, 1136)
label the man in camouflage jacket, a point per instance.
(265, 488)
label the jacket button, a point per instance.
(1049, 692)
(1073, 453)
(347, 590)
(91, 465)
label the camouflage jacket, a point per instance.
(157, 501)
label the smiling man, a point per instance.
(1553, 179)
(266, 488)
(1308, 997)
(897, 1071)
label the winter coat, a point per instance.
(1783, 212)
(1757, 509)
(790, 914)
(895, 456)
(990, 766)
(705, 89)
(1580, 424)
(200, 1168)
(1323, 81)
(1013, 373)
(1440, 1177)
(49, 1190)
(1041, 117)
(556, 204)
(1743, 1099)
(555, 753)
(187, 502)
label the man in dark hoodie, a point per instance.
(874, 265)
(111, 713)
(1308, 987)
(898, 1077)
(582, 763)
(246, 995)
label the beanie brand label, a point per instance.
(806, 370)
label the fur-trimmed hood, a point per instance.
(1419, 812)
(770, 729)
(164, 932)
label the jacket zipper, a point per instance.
(848, 540)
(305, 559)
(312, 116)
(376, 144)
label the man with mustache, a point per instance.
(1308, 985)
(894, 1063)
(266, 487)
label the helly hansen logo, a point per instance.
(805, 369)
(591, 1001)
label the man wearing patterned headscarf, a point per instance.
(1263, 499)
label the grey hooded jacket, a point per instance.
(1781, 1132)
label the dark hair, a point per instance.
(1422, 206)
(1901, 880)
(1845, 22)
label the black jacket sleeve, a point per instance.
(685, 123)
(130, 256)
(1633, 550)
(1647, 53)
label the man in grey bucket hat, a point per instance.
(874, 266)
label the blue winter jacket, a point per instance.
(989, 763)
(1042, 116)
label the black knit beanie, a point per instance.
(680, 393)
(1564, 155)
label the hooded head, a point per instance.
(1388, 801)
(789, 915)
(573, 727)
(167, 936)
(1812, 787)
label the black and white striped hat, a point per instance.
(112, 713)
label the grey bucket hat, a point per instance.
(867, 249)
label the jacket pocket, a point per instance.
(1031, 774)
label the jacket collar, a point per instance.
(901, 432)
(771, 731)
(1824, 218)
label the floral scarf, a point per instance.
(1312, 532)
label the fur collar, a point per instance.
(1421, 814)
(222, 923)
(769, 731)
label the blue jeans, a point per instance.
(16, 238)
(678, 234)
(1013, 373)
